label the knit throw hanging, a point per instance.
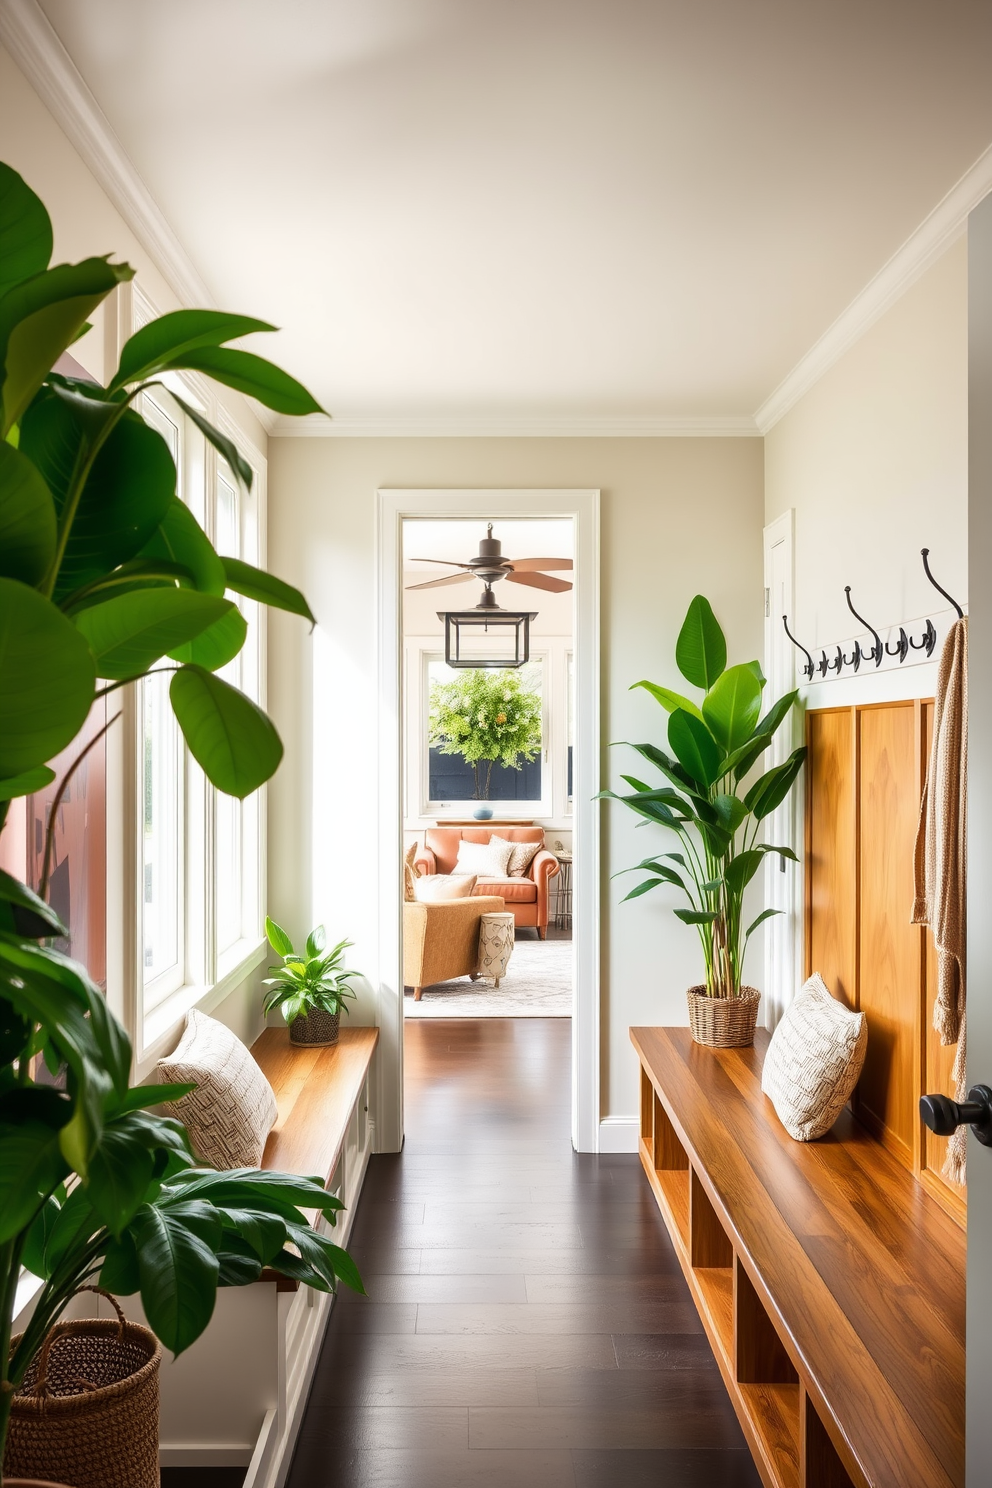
(941, 867)
(87, 1410)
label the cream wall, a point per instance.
(679, 516)
(874, 459)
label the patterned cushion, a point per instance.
(232, 1110)
(410, 872)
(813, 1061)
(491, 858)
(522, 854)
(435, 888)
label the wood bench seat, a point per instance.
(830, 1285)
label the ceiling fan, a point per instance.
(489, 565)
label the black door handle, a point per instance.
(942, 1115)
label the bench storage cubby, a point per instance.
(830, 1285)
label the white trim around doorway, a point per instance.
(392, 508)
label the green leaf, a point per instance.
(669, 700)
(37, 1238)
(27, 519)
(743, 758)
(130, 632)
(121, 1272)
(695, 916)
(232, 740)
(696, 750)
(47, 679)
(765, 914)
(345, 1267)
(12, 891)
(255, 583)
(700, 651)
(26, 784)
(730, 812)
(254, 376)
(315, 943)
(224, 446)
(731, 707)
(42, 316)
(25, 231)
(120, 1173)
(783, 852)
(31, 1165)
(642, 888)
(779, 711)
(218, 644)
(178, 1270)
(181, 539)
(162, 343)
(739, 872)
(773, 787)
(127, 493)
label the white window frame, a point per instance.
(539, 808)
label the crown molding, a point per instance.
(536, 426)
(935, 234)
(28, 35)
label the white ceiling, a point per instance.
(544, 207)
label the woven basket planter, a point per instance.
(723, 1022)
(87, 1411)
(313, 1028)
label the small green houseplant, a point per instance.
(485, 716)
(715, 743)
(310, 990)
(105, 576)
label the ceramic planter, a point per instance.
(315, 1028)
(723, 1022)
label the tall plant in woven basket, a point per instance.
(105, 577)
(708, 799)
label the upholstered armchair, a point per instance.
(527, 897)
(441, 941)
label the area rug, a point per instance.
(538, 984)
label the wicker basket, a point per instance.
(723, 1022)
(317, 1027)
(87, 1411)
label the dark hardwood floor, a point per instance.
(527, 1325)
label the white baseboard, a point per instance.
(619, 1134)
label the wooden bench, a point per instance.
(235, 1399)
(830, 1285)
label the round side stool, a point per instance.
(495, 945)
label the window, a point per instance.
(198, 881)
(451, 779)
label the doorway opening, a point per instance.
(471, 511)
(488, 767)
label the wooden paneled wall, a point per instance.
(865, 775)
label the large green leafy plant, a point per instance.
(105, 576)
(485, 716)
(715, 743)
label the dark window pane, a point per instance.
(452, 779)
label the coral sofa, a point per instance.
(526, 897)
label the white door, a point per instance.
(979, 1401)
(782, 879)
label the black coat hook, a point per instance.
(878, 650)
(925, 555)
(927, 641)
(808, 667)
(901, 647)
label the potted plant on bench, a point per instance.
(310, 990)
(105, 576)
(714, 745)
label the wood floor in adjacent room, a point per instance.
(527, 1325)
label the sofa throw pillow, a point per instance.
(813, 1061)
(233, 1109)
(522, 854)
(490, 858)
(435, 888)
(410, 872)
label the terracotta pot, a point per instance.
(315, 1028)
(723, 1022)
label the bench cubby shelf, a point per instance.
(830, 1286)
